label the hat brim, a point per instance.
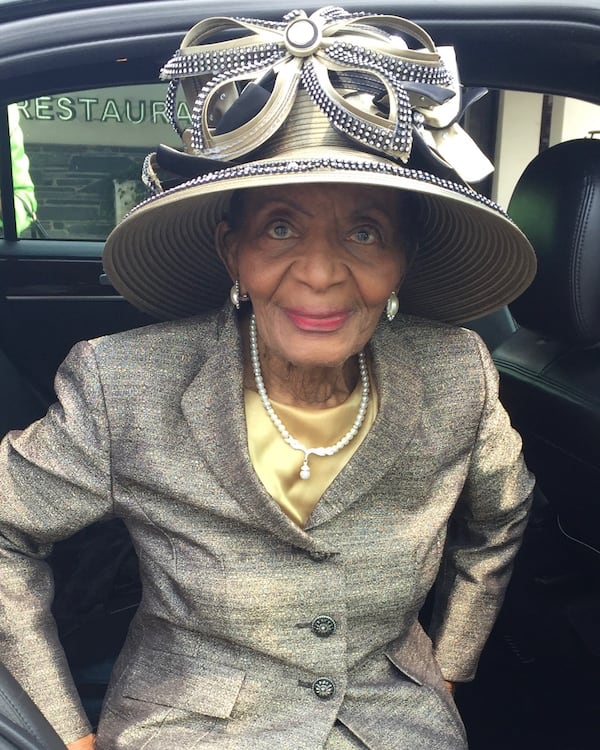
(471, 258)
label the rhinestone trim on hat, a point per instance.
(310, 166)
(371, 135)
(229, 61)
(358, 57)
(238, 64)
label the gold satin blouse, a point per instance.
(278, 465)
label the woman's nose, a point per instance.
(320, 264)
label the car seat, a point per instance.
(550, 366)
(21, 403)
(22, 726)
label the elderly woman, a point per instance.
(299, 468)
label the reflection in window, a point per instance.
(25, 203)
(86, 149)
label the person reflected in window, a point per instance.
(24, 191)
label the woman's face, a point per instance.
(318, 262)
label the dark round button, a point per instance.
(323, 688)
(323, 626)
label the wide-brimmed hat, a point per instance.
(332, 97)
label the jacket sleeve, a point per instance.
(484, 536)
(54, 480)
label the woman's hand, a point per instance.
(85, 743)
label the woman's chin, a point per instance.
(323, 353)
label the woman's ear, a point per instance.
(225, 243)
(407, 259)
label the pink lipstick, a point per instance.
(317, 322)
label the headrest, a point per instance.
(556, 203)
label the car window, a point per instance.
(76, 157)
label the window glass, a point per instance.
(85, 150)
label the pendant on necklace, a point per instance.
(305, 469)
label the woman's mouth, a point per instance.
(318, 322)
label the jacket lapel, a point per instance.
(213, 406)
(400, 393)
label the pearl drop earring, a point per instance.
(235, 296)
(392, 306)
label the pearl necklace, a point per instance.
(291, 441)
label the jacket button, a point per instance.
(323, 626)
(324, 688)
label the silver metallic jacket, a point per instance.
(225, 649)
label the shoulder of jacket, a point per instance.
(431, 336)
(177, 338)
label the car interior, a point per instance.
(537, 684)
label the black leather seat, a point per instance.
(22, 726)
(550, 367)
(20, 403)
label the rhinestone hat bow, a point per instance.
(242, 89)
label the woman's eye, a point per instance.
(279, 231)
(366, 235)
